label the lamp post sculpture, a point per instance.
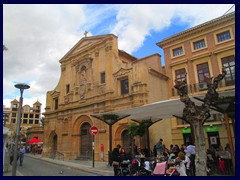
(20, 86)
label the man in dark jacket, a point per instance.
(116, 159)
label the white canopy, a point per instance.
(160, 110)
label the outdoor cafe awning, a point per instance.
(160, 110)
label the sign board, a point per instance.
(186, 130)
(211, 129)
(93, 130)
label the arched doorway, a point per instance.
(86, 141)
(126, 141)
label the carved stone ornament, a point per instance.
(82, 90)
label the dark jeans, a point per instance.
(21, 159)
(192, 158)
(115, 170)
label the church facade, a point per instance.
(98, 77)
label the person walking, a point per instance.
(116, 159)
(22, 152)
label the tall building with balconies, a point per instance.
(200, 53)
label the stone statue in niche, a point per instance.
(83, 73)
(83, 82)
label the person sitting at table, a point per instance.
(223, 156)
(180, 164)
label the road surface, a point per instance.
(35, 167)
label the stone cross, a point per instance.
(85, 33)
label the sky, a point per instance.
(37, 36)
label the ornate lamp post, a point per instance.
(20, 86)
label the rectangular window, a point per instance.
(199, 44)
(177, 51)
(102, 77)
(37, 107)
(67, 88)
(124, 86)
(203, 72)
(25, 115)
(13, 120)
(25, 121)
(203, 75)
(223, 36)
(229, 64)
(31, 116)
(180, 74)
(36, 115)
(56, 104)
(36, 121)
(30, 121)
(14, 114)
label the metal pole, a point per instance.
(148, 142)
(14, 168)
(110, 144)
(93, 151)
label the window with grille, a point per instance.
(199, 44)
(180, 74)
(13, 120)
(203, 72)
(67, 88)
(177, 51)
(56, 103)
(102, 77)
(229, 64)
(223, 36)
(124, 86)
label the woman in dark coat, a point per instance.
(116, 159)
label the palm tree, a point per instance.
(137, 130)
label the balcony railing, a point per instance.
(198, 87)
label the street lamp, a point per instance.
(20, 86)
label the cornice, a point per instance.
(227, 19)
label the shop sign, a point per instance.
(186, 130)
(211, 129)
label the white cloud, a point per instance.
(38, 36)
(134, 22)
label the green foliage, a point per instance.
(133, 129)
(110, 116)
(138, 130)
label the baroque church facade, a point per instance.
(98, 77)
